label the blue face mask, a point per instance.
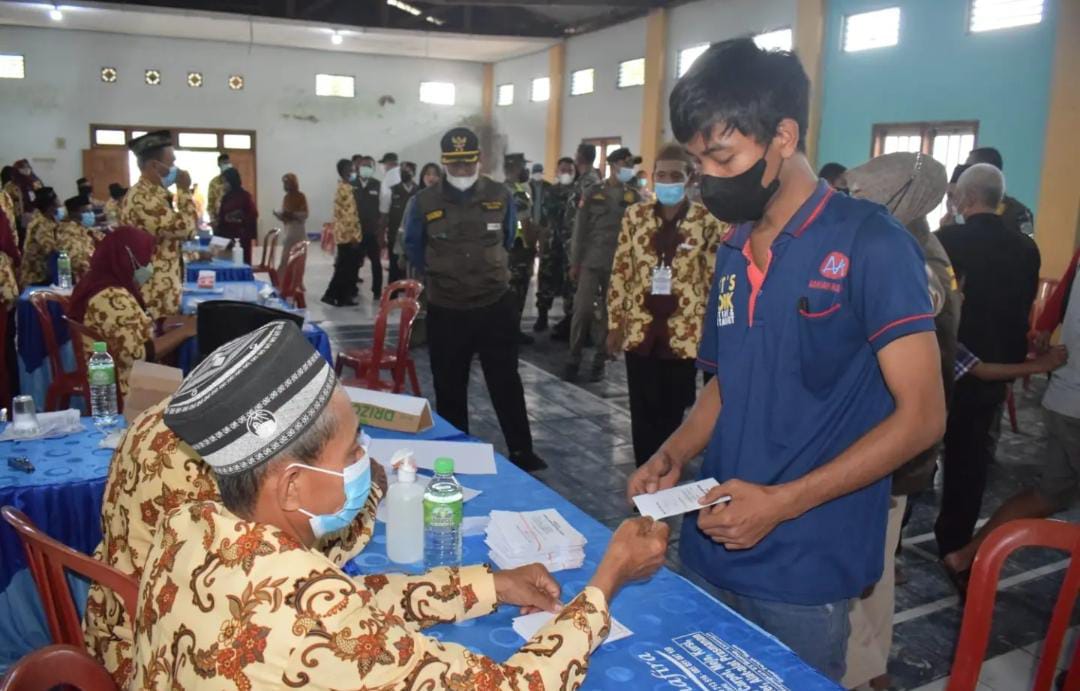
(670, 193)
(89, 219)
(625, 175)
(169, 178)
(352, 177)
(61, 214)
(357, 481)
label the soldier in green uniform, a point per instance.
(587, 176)
(554, 245)
(523, 252)
(596, 236)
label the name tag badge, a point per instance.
(494, 227)
(686, 246)
(661, 280)
(375, 192)
(434, 215)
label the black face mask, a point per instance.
(741, 197)
(406, 175)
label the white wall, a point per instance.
(296, 131)
(524, 122)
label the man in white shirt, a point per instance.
(391, 176)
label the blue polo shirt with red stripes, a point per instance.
(794, 349)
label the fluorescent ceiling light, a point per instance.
(404, 7)
(55, 14)
(336, 38)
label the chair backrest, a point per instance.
(269, 247)
(58, 665)
(409, 308)
(81, 335)
(48, 558)
(411, 288)
(982, 590)
(220, 321)
(40, 300)
(292, 282)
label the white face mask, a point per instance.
(538, 176)
(463, 183)
(565, 178)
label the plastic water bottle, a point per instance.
(443, 502)
(405, 516)
(237, 252)
(102, 376)
(63, 270)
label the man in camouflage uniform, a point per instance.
(523, 252)
(587, 176)
(554, 244)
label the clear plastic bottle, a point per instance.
(102, 375)
(405, 515)
(63, 270)
(237, 252)
(443, 502)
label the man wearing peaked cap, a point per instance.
(147, 205)
(459, 231)
(233, 592)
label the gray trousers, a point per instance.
(592, 287)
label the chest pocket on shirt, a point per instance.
(828, 334)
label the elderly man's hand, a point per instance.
(531, 587)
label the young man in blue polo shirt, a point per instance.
(821, 334)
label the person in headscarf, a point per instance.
(41, 238)
(108, 300)
(237, 215)
(910, 185)
(294, 211)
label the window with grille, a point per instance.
(687, 56)
(631, 73)
(868, 30)
(581, 81)
(991, 15)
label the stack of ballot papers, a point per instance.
(516, 539)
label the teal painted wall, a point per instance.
(939, 71)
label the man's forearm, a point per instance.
(694, 433)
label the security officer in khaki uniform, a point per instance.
(586, 177)
(596, 235)
(523, 251)
(459, 232)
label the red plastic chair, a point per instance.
(367, 363)
(982, 590)
(292, 282)
(269, 248)
(409, 287)
(80, 336)
(48, 559)
(64, 384)
(58, 665)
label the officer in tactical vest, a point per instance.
(459, 232)
(554, 242)
(596, 235)
(523, 251)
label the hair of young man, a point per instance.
(222, 158)
(153, 154)
(988, 154)
(344, 167)
(587, 153)
(736, 85)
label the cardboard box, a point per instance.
(391, 410)
(148, 384)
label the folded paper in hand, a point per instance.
(676, 500)
(528, 625)
(516, 539)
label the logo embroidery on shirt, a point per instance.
(835, 266)
(725, 304)
(492, 206)
(434, 215)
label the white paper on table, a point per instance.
(528, 625)
(467, 494)
(470, 458)
(533, 532)
(219, 241)
(677, 500)
(263, 276)
(474, 525)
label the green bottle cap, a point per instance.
(444, 466)
(100, 347)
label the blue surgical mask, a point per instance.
(670, 193)
(959, 219)
(625, 175)
(61, 214)
(142, 273)
(366, 171)
(89, 219)
(169, 178)
(357, 481)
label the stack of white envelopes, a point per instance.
(528, 537)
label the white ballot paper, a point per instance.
(677, 500)
(516, 539)
(470, 458)
(527, 625)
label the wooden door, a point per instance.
(105, 166)
(244, 162)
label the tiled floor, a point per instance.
(583, 432)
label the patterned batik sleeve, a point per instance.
(9, 285)
(346, 221)
(344, 545)
(116, 316)
(376, 648)
(440, 596)
(622, 268)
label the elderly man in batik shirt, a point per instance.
(234, 596)
(146, 205)
(41, 239)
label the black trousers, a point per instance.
(491, 332)
(343, 281)
(969, 451)
(369, 248)
(660, 392)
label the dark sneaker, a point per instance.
(597, 372)
(541, 323)
(528, 461)
(330, 301)
(570, 372)
(525, 339)
(561, 331)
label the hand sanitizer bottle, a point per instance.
(405, 514)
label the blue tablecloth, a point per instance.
(225, 270)
(63, 497)
(683, 638)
